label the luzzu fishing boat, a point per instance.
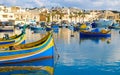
(12, 39)
(114, 26)
(36, 28)
(7, 42)
(6, 27)
(39, 50)
(21, 26)
(102, 23)
(95, 34)
(55, 27)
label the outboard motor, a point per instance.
(6, 36)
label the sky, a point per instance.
(82, 4)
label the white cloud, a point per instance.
(98, 3)
(112, 2)
(85, 4)
(39, 3)
(78, 1)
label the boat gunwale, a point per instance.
(46, 39)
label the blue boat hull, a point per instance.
(9, 42)
(35, 62)
(2, 43)
(94, 35)
(37, 28)
(55, 27)
(44, 55)
(38, 52)
(48, 29)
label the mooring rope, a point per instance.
(56, 54)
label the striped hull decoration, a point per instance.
(16, 40)
(44, 57)
(9, 42)
(40, 52)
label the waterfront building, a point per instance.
(28, 15)
(17, 14)
(93, 15)
(65, 14)
(113, 15)
(5, 15)
(76, 14)
(20, 14)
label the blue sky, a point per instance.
(83, 4)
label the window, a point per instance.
(35, 17)
(110, 17)
(11, 16)
(4, 16)
(17, 18)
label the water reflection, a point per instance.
(25, 70)
(85, 56)
(37, 67)
(88, 56)
(96, 40)
(64, 35)
(44, 67)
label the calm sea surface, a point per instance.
(82, 56)
(90, 56)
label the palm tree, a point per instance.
(57, 13)
(79, 14)
(83, 15)
(48, 17)
(53, 14)
(60, 13)
(71, 16)
(75, 15)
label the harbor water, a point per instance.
(79, 56)
(87, 56)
